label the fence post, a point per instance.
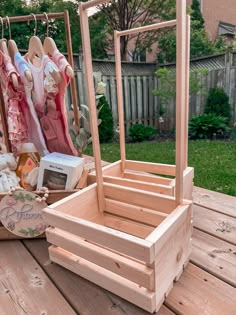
(228, 63)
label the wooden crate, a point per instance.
(136, 248)
(140, 175)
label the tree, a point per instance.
(196, 15)
(126, 14)
(200, 44)
(22, 32)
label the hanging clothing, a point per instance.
(44, 93)
(34, 128)
(17, 128)
(60, 60)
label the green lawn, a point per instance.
(214, 161)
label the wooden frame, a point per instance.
(183, 173)
(130, 231)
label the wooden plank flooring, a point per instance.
(31, 284)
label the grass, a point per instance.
(214, 161)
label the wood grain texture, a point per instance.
(214, 256)
(157, 188)
(214, 200)
(24, 287)
(140, 198)
(216, 224)
(81, 293)
(119, 241)
(123, 266)
(151, 167)
(197, 293)
(124, 288)
(151, 217)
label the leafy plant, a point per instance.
(218, 103)
(106, 128)
(206, 125)
(82, 137)
(139, 132)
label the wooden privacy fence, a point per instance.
(139, 80)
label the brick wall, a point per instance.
(215, 11)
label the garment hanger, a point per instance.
(36, 49)
(50, 47)
(12, 50)
(4, 49)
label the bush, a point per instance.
(106, 128)
(218, 103)
(206, 125)
(233, 132)
(139, 132)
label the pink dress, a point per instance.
(17, 128)
(62, 63)
(34, 128)
(44, 94)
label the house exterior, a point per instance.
(219, 16)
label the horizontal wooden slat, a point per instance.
(214, 256)
(135, 213)
(103, 257)
(149, 167)
(104, 278)
(128, 226)
(119, 241)
(140, 198)
(113, 169)
(138, 184)
(147, 177)
(83, 202)
(215, 223)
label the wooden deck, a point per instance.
(31, 285)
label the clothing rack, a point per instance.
(25, 18)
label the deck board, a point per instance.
(214, 256)
(24, 287)
(197, 293)
(215, 223)
(215, 201)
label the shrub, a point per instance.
(233, 132)
(106, 128)
(218, 103)
(139, 132)
(206, 125)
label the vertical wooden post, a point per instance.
(180, 96)
(71, 61)
(88, 68)
(187, 75)
(120, 98)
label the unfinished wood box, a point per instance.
(136, 248)
(146, 176)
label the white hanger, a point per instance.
(12, 50)
(36, 48)
(3, 47)
(50, 47)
